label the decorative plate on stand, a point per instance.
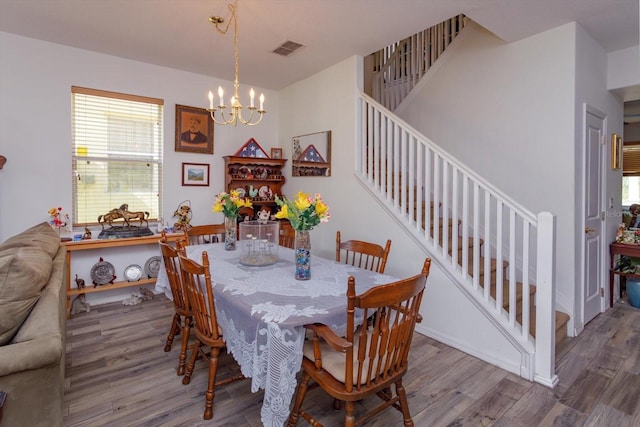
(133, 273)
(102, 273)
(152, 266)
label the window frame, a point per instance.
(117, 163)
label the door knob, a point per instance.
(589, 230)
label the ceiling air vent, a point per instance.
(287, 48)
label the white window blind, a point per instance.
(117, 153)
(631, 158)
(631, 173)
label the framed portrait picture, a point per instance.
(276, 153)
(195, 174)
(194, 130)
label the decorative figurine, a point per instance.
(123, 218)
(123, 213)
(80, 304)
(183, 215)
(87, 234)
(264, 215)
(79, 282)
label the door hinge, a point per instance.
(602, 215)
(602, 292)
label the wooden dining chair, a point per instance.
(369, 256)
(372, 357)
(197, 280)
(209, 233)
(182, 318)
(287, 236)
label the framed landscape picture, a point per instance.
(194, 130)
(195, 174)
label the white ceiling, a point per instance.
(177, 33)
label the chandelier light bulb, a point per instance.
(220, 94)
(252, 95)
(210, 100)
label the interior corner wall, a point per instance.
(35, 126)
(507, 112)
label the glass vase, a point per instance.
(302, 248)
(230, 233)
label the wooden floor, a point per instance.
(119, 375)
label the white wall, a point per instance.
(623, 68)
(35, 126)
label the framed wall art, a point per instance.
(311, 154)
(194, 130)
(616, 151)
(195, 174)
(276, 153)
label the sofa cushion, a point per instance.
(24, 271)
(41, 236)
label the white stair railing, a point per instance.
(442, 204)
(399, 66)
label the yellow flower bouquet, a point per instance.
(304, 212)
(230, 203)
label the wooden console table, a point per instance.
(625, 249)
(94, 244)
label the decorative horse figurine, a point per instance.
(109, 217)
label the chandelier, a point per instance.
(234, 116)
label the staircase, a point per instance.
(561, 318)
(484, 242)
(397, 68)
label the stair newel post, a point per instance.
(544, 369)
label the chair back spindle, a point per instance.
(197, 281)
(358, 253)
(201, 234)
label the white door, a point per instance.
(593, 208)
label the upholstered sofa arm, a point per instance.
(30, 355)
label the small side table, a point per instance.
(625, 249)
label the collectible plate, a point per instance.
(260, 172)
(102, 273)
(152, 266)
(133, 273)
(244, 172)
(241, 192)
(264, 192)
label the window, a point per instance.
(116, 153)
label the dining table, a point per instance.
(263, 310)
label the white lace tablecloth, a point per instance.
(262, 311)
